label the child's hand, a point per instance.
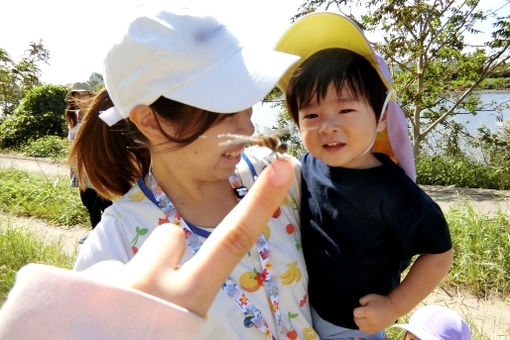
(375, 314)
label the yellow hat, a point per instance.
(319, 31)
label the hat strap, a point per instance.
(389, 95)
(110, 116)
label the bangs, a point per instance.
(344, 69)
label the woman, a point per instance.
(102, 301)
(184, 81)
(78, 99)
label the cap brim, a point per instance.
(240, 81)
(418, 332)
(313, 33)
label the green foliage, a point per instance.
(461, 172)
(495, 83)
(53, 147)
(48, 198)
(434, 67)
(293, 139)
(20, 247)
(481, 246)
(40, 113)
(494, 145)
(18, 78)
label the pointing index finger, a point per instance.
(239, 230)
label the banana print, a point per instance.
(138, 195)
(309, 333)
(290, 202)
(293, 274)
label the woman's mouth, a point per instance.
(233, 153)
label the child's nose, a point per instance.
(330, 125)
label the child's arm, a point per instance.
(377, 312)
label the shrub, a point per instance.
(40, 113)
(48, 146)
(461, 172)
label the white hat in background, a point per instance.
(81, 87)
(437, 323)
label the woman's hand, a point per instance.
(155, 268)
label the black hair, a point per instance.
(342, 68)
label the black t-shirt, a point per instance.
(360, 228)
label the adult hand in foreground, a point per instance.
(155, 268)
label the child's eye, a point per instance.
(345, 111)
(310, 116)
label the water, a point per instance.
(495, 104)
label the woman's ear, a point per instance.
(146, 121)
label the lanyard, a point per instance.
(230, 287)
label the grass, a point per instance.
(481, 245)
(481, 242)
(19, 247)
(47, 198)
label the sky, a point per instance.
(78, 34)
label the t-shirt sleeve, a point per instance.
(420, 225)
(52, 303)
(106, 242)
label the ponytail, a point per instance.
(113, 158)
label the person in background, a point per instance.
(435, 322)
(150, 297)
(160, 141)
(362, 215)
(78, 100)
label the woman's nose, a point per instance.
(245, 125)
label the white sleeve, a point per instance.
(106, 242)
(52, 303)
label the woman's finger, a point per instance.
(152, 267)
(207, 270)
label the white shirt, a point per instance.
(129, 221)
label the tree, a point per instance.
(41, 113)
(435, 69)
(18, 78)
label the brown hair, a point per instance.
(113, 158)
(73, 106)
(70, 115)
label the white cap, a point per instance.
(191, 59)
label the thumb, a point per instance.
(365, 300)
(162, 250)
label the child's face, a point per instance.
(340, 130)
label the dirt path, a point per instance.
(490, 317)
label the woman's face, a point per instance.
(207, 160)
(80, 98)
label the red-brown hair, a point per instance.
(113, 158)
